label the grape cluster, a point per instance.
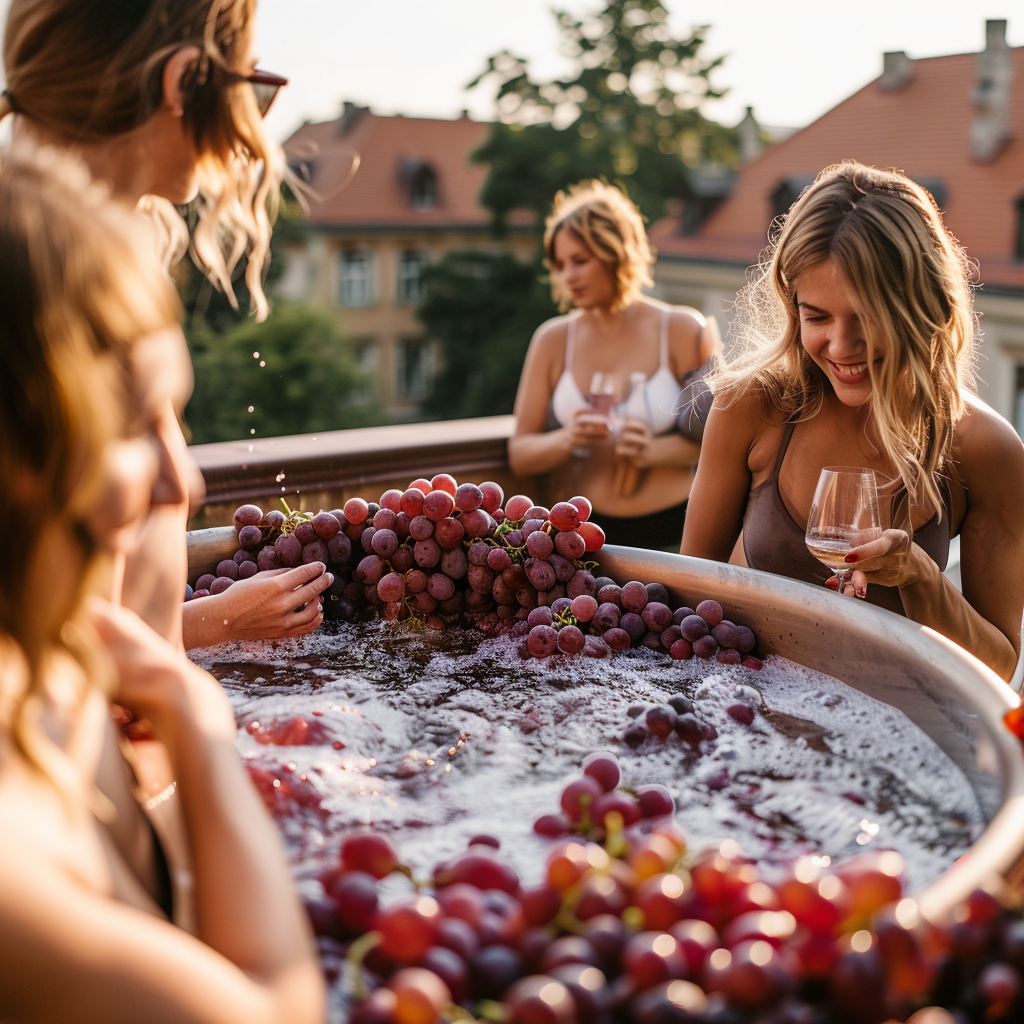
(676, 718)
(443, 553)
(641, 930)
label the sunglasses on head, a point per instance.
(265, 87)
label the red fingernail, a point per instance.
(851, 557)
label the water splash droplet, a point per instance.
(251, 407)
(263, 362)
(255, 355)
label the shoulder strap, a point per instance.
(786, 438)
(665, 316)
(570, 343)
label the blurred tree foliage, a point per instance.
(627, 112)
(310, 379)
(484, 307)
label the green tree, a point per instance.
(484, 307)
(627, 112)
(303, 380)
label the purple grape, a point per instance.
(570, 640)
(609, 594)
(680, 613)
(478, 553)
(680, 705)
(275, 519)
(249, 537)
(549, 597)
(729, 656)
(391, 587)
(197, 594)
(402, 560)
(633, 625)
(427, 553)
(689, 730)
(454, 604)
(468, 497)
(384, 542)
(652, 640)
(564, 569)
(727, 635)
(560, 605)
(325, 525)
(416, 581)
(481, 579)
(401, 526)
(424, 603)
(583, 607)
(633, 597)
(449, 533)
(339, 549)
(304, 532)
(241, 555)
(746, 639)
(515, 576)
(385, 519)
(617, 639)
(526, 596)
(289, 550)
(247, 515)
(540, 573)
(454, 563)
(502, 592)
(539, 544)
(366, 539)
(267, 558)
(705, 647)
(542, 641)
(660, 720)
(420, 528)
(228, 568)
(569, 544)
(711, 612)
(204, 581)
(315, 551)
(582, 582)
(477, 523)
(220, 584)
(440, 586)
(670, 636)
(498, 559)
(370, 570)
(693, 627)
(657, 592)
(540, 616)
(514, 538)
(658, 616)
(596, 647)
(655, 801)
(606, 617)
(188, 592)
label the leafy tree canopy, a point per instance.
(484, 307)
(627, 112)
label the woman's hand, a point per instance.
(588, 427)
(271, 605)
(634, 444)
(889, 561)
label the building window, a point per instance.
(413, 369)
(356, 278)
(367, 352)
(410, 271)
(423, 188)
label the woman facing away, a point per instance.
(161, 100)
(625, 455)
(90, 355)
(860, 331)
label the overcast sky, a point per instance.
(790, 59)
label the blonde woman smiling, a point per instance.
(629, 459)
(860, 332)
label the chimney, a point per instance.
(751, 142)
(897, 71)
(350, 114)
(990, 95)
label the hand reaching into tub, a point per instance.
(268, 606)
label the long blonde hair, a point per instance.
(79, 285)
(602, 219)
(92, 69)
(913, 280)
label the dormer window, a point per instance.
(1018, 242)
(421, 181)
(787, 192)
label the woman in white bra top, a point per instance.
(630, 461)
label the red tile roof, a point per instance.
(921, 129)
(377, 194)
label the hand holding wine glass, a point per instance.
(844, 514)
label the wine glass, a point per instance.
(844, 514)
(602, 394)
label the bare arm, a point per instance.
(718, 499)
(81, 956)
(267, 606)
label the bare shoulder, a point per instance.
(550, 337)
(685, 325)
(987, 450)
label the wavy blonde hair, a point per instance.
(913, 283)
(93, 69)
(601, 218)
(79, 285)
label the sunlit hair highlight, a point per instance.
(912, 281)
(603, 220)
(79, 285)
(90, 70)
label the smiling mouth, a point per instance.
(849, 369)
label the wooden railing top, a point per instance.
(237, 470)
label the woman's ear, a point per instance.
(174, 71)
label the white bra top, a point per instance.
(661, 392)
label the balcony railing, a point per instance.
(314, 471)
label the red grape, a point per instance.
(539, 999)
(517, 506)
(438, 505)
(412, 502)
(220, 584)
(655, 801)
(369, 852)
(706, 647)
(603, 767)
(421, 996)
(391, 587)
(658, 616)
(570, 640)
(711, 612)
(356, 510)
(652, 957)
(421, 484)
(579, 795)
(247, 515)
(445, 482)
(564, 516)
(354, 895)
(408, 928)
(391, 499)
(492, 496)
(570, 545)
(617, 639)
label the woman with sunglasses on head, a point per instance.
(161, 100)
(90, 355)
(860, 335)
